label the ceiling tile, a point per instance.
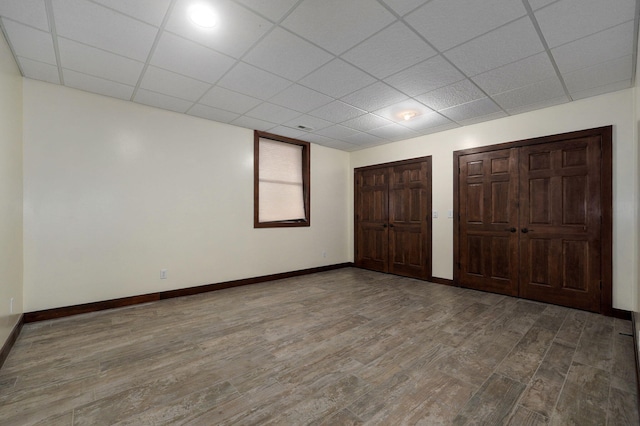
(448, 23)
(336, 132)
(252, 123)
(337, 25)
(30, 43)
(272, 113)
(483, 118)
(374, 97)
(425, 77)
(394, 132)
(272, 9)
(300, 98)
(287, 55)
(607, 88)
(343, 146)
(103, 28)
(97, 85)
(395, 112)
(599, 75)
(367, 122)
(533, 93)
(319, 139)
(592, 50)
(39, 70)
(538, 4)
(538, 105)
(569, 20)
(214, 114)
(172, 84)
(308, 121)
(517, 74)
(288, 132)
(238, 29)
(440, 128)
(30, 12)
(185, 57)
(402, 7)
(364, 139)
(99, 63)
(159, 100)
(507, 44)
(337, 112)
(228, 100)
(249, 80)
(471, 109)
(337, 79)
(149, 11)
(455, 94)
(398, 45)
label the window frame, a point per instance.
(306, 181)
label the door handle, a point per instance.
(511, 229)
(524, 230)
(384, 225)
(391, 225)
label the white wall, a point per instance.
(614, 108)
(115, 191)
(10, 191)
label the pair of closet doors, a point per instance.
(534, 219)
(393, 217)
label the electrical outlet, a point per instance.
(435, 214)
(324, 253)
(163, 274)
(450, 214)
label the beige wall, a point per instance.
(10, 191)
(615, 108)
(115, 191)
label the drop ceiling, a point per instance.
(345, 70)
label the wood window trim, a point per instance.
(606, 172)
(306, 177)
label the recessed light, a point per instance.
(203, 15)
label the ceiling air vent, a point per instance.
(305, 128)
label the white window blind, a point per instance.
(280, 182)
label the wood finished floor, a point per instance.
(345, 347)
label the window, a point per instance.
(280, 181)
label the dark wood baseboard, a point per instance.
(620, 314)
(443, 281)
(634, 331)
(13, 336)
(66, 311)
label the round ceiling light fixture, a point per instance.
(203, 15)
(408, 115)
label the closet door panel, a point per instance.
(372, 216)
(488, 247)
(409, 213)
(560, 220)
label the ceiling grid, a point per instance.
(348, 72)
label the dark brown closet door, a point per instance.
(393, 217)
(488, 245)
(408, 220)
(560, 213)
(372, 217)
